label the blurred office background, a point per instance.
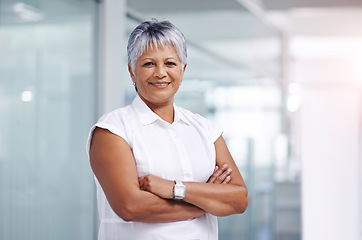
(283, 78)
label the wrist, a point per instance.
(179, 190)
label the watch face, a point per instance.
(179, 192)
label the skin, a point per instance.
(158, 74)
(158, 66)
(217, 199)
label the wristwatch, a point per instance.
(179, 190)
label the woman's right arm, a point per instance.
(114, 166)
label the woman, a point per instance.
(162, 172)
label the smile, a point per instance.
(159, 84)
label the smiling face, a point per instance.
(158, 74)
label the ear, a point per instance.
(131, 73)
(184, 69)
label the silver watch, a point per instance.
(179, 190)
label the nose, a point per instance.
(160, 71)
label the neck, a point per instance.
(164, 110)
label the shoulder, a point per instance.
(117, 121)
(117, 116)
(192, 117)
(200, 122)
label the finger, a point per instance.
(221, 178)
(221, 174)
(142, 181)
(224, 167)
(217, 176)
(141, 184)
(227, 180)
(214, 176)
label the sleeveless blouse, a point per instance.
(183, 150)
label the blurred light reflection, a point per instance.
(293, 103)
(27, 12)
(27, 96)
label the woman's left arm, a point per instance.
(216, 199)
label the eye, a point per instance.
(148, 64)
(170, 64)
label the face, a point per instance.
(158, 74)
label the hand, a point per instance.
(221, 175)
(157, 185)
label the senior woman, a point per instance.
(161, 171)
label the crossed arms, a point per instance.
(149, 198)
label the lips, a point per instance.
(163, 84)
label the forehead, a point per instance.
(167, 50)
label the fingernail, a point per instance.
(225, 165)
(229, 170)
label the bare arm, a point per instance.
(220, 200)
(217, 199)
(114, 166)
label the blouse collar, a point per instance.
(147, 116)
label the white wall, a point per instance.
(326, 57)
(330, 163)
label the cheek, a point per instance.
(177, 75)
(140, 76)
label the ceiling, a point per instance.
(197, 5)
(223, 36)
(183, 6)
(290, 4)
(317, 18)
(219, 31)
(227, 26)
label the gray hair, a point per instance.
(156, 33)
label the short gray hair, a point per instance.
(157, 33)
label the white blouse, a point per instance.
(183, 150)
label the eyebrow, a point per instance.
(147, 58)
(150, 58)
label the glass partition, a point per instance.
(47, 105)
